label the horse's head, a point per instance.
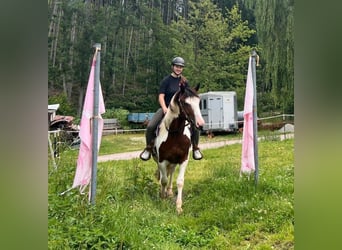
(189, 100)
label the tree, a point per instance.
(139, 39)
(215, 47)
(275, 24)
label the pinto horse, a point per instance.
(172, 146)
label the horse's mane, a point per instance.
(185, 91)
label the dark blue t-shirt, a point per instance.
(169, 86)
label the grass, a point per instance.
(220, 210)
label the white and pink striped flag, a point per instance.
(247, 156)
(84, 161)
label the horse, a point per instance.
(172, 145)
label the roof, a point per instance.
(220, 93)
(61, 121)
(53, 107)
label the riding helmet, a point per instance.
(178, 61)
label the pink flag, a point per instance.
(84, 161)
(247, 157)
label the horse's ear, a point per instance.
(197, 87)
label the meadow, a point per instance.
(221, 210)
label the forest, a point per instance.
(139, 39)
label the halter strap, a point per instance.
(186, 115)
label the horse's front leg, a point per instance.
(163, 179)
(180, 185)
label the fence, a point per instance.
(261, 125)
(111, 127)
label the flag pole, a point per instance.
(95, 117)
(255, 124)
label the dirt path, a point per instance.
(135, 154)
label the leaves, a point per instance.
(139, 38)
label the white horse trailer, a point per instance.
(219, 111)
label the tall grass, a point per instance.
(220, 210)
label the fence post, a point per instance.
(95, 124)
(255, 124)
(284, 126)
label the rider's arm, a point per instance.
(162, 102)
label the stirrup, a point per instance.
(196, 154)
(145, 155)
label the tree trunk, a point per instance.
(55, 41)
(80, 102)
(126, 63)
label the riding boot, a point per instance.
(196, 153)
(146, 154)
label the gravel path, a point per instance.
(135, 154)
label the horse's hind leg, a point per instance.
(157, 174)
(170, 171)
(163, 193)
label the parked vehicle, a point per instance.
(139, 117)
(219, 111)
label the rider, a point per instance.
(168, 87)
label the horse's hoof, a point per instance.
(169, 193)
(163, 195)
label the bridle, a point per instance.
(182, 111)
(187, 117)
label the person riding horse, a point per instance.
(173, 144)
(168, 87)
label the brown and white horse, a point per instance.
(173, 144)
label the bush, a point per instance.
(120, 114)
(65, 108)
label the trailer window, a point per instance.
(205, 104)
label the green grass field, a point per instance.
(220, 209)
